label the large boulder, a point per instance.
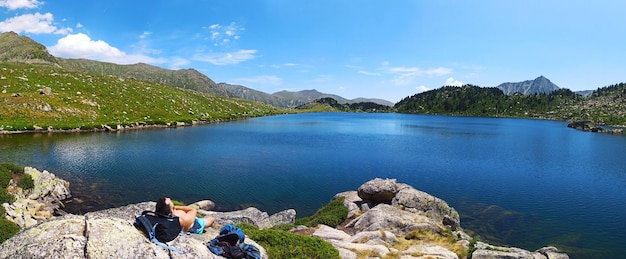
(378, 190)
(104, 234)
(390, 218)
(253, 216)
(487, 251)
(412, 199)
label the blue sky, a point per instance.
(373, 49)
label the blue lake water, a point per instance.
(526, 183)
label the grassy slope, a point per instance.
(89, 101)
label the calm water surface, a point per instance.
(526, 183)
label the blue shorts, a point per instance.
(198, 226)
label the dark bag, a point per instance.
(230, 244)
(231, 251)
(159, 228)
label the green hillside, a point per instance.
(42, 96)
(606, 106)
(183, 78)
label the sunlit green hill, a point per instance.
(42, 96)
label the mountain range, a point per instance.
(15, 48)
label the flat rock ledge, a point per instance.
(110, 233)
(381, 214)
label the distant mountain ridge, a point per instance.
(22, 49)
(539, 85)
(290, 99)
(182, 78)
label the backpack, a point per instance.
(159, 228)
(229, 243)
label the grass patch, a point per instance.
(7, 228)
(283, 244)
(26, 182)
(333, 214)
(444, 238)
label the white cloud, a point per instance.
(452, 82)
(81, 46)
(145, 34)
(223, 34)
(369, 73)
(36, 23)
(406, 75)
(259, 80)
(226, 58)
(322, 79)
(17, 4)
(178, 62)
(422, 88)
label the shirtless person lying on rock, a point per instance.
(186, 215)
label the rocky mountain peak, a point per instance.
(15, 48)
(539, 85)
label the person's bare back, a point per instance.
(187, 216)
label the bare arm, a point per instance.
(186, 209)
(186, 216)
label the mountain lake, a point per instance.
(524, 183)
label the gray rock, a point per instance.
(328, 233)
(390, 218)
(430, 251)
(351, 201)
(60, 238)
(552, 253)
(378, 190)
(46, 91)
(253, 216)
(434, 207)
(487, 251)
(380, 237)
(41, 202)
(203, 205)
(103, 234)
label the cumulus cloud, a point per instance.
(17, 4)
(36, 23)
(422, 88)
(229, 58)
(81, 46)
(259, 80)
(452, 82)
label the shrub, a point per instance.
(333, 214)
(6, 197)
(283, 244)
(26, 182)
(5, 177)
(16, 169)
(7, 229)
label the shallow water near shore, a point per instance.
(525, 183)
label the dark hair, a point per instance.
(162, 207)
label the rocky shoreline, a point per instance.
(118, 127)
(381, 214)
